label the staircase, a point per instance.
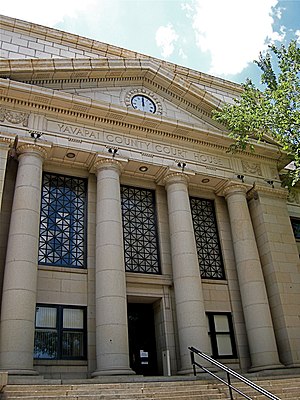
(285, 388)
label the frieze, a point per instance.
(14, 117)
(294, 196)
(145, 146)
(251, 168)
(274, 173)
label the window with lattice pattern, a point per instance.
(62, 225)
(296, 229)
(207, 239)
(140, 231)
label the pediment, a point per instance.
(122, 96)
(72, 89)
(107, 81)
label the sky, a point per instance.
(218, 37)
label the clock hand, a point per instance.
(143, 103)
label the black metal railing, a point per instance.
(229, 373)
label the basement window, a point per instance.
(60, 332)
(220, 330)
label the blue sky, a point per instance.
(219, 37)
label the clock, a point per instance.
(143, 103)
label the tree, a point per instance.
(270, 113)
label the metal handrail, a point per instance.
(230, 372)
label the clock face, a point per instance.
(143, 103)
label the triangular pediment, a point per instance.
(111, 82)
(70, 87)
(43, 43)
(122, 96)
(77, 70)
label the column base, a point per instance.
(187, 371)
(293, 365)
(266, 367)
(190, 371)
(21, 372)
(114, 371)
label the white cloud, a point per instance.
(165, 38)
(182, 54)
(43, 12)
(234, 31)
(297, 33)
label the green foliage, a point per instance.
(271, 113)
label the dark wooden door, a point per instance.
(142, 346)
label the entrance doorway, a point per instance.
(142, 345)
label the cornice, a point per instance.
(106, 50)
(40, 71)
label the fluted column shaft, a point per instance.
(111, 304)
(20, 277)
(4, 148)
(191, 318)
(259, 326)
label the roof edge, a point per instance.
(60, 36)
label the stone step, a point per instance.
(114, 392)
(283, 388)
(114, 388)
(287, 389)
(124, 385)
(184, 396)
(203, 394)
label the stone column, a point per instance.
(112, 350)
(256, 309)
(191, 318)
(281, 266)
(20, 277)
(4, 148)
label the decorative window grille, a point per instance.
(220, 330)
(60, 332)
(207, 240)
(62, 226)
(139, 229)
(296, 227)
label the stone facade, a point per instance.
(67, 115)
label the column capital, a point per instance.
(32, 148)
(278, 193)
(107, 163)
(176, 177)
(5, 141)
(233, 187)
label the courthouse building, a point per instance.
(127, 231)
